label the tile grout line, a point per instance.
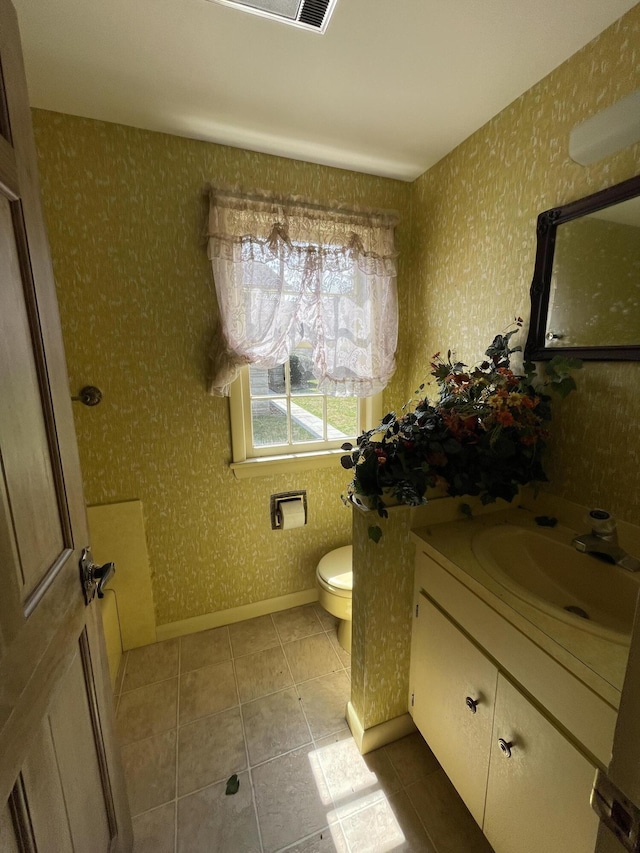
(246, 748)
(281, 644)
(421, 822)
(300, 746)
(324, 777)
(295, 687)
(309, 837)
(294, 684)
(144, 686)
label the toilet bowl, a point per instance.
(334, 577)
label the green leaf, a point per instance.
(375, 533)
(558, 373)
(564, 386)
(563, 363)
(466, 510)
(233, 784)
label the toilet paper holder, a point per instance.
(284, 497)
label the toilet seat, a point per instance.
(334, 572)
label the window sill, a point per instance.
(264, 466)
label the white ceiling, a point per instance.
(390, 88)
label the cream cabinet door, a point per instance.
(453, 685)
(539, 784)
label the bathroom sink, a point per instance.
(544, 570)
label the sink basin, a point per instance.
(544, 570)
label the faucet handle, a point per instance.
(602, 522)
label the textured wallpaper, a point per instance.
(472, 252)
(473, 249)
(382, 601)
(126, 217)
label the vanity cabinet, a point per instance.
(526, 784)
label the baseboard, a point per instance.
(373, 738)
(235, 614)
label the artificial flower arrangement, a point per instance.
(484, 435)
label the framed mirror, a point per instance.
(585, 294)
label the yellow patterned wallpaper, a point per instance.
(382, 601)
(473, 239)
(472, 252)
(126, 217)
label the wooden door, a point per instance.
(453, 685)
(61, 786)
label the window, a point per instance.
(280, 418)
(287, 410)
(308, 314)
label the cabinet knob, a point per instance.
(505, 746)
(471, 704)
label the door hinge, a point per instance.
(617, 812)
(417, 610)
(413, 699)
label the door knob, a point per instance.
(505, 746)
(471, 704)
(93, 577)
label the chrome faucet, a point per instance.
(603, 541)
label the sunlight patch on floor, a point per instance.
(368, 820)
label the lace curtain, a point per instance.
(288, 271)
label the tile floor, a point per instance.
(265, 699)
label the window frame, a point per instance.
(244, 464)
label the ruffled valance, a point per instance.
(289, 270)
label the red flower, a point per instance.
(529, 403)
(504, 418)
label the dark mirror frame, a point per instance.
(548, 222)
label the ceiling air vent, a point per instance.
(308, 14)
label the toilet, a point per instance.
(334, 577)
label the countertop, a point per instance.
(597, 662)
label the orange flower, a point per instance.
(504, 418)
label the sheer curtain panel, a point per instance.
(288, 271)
